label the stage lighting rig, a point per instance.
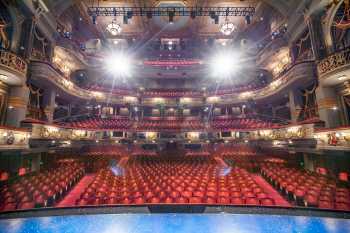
(177, 11)
(171, 17)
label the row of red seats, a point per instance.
(98, 123)
(307, 188)
(233, 124)
(157, 180)
(242, 88)
(116, 91)
(171, 93)
(40, 190)
(107, 150)
(170, 125)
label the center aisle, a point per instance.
(279, 200)
(75, 193)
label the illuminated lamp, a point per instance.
(22, 171)
(118, 64)
(343, 176)
(114, 28)
(4, 176)
(224, 64)
(227, 28)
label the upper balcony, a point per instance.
(299, 74)
(13, 69)
(333, 67)
(43, 71)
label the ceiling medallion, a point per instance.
(114, 28)
(227, 28)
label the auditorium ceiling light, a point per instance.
(224, 64)
(114, 28)
(119, 64)
(227, 28)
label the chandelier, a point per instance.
(114, 28)
(227, 28)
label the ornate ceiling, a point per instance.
(182, 27)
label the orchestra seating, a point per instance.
(307, 188)
(246, 123)
(40, 190)
(193, 180)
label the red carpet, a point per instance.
(78, 189)
(271, 191)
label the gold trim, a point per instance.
(327, 103)
(17, 102)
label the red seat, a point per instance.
(251, 201)
(26, 205)
(267, 202)
(237, 201)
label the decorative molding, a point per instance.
(327, 103)
(12, 62)
(333, 63)
(17, 102)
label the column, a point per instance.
(49, 99)
(314, 23)
(309, 162)
(328, 106)
(35, 163)
(27, 38)
(295, 104)
(17, 105)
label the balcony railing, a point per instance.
(334, 62)
(11, 62)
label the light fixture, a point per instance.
(227, 28)
(114, 28)
(3, 77)
(224, 63)
(342, 77)
(118, 64)
(171, 17)
(247, 19)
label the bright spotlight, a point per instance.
(119, 64)
(224, 64)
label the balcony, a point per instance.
(300, 73)
(45, 71)
(13, 69)
(333, 66)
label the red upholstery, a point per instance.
(40, 190)
(307, 188)
(156, 180)
(241, 123)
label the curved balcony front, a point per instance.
(298, 75)
(13, 69)
(44, 75)
(332, 68)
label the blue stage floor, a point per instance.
(170, 223)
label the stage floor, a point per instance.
(170, 223)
